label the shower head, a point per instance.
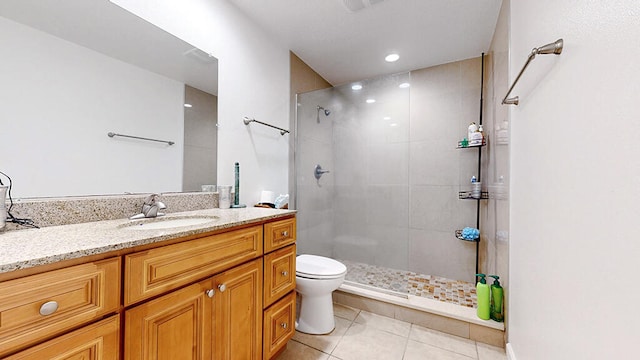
(326, 111)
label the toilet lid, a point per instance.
(318, 266)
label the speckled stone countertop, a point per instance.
(33, 247)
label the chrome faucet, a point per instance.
(150, 208)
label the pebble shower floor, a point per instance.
(434, 287)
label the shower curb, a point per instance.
(433, 314)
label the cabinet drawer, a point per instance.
(153, 272)
(279, 325)
(279, 274)
(279, 234)
(73, 296)
(99, 341)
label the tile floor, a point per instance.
(407, 282)
(363, 335)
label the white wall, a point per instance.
(253, 81)
(575, 178)
(59, 100)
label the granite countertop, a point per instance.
(28, 248)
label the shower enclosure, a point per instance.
(386, 202)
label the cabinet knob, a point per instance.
(285, 273)
(284, 325)
(222, 287)
(48, 308)
(285, 233)
(210, 293)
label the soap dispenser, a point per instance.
(497, 296)
(482, 292)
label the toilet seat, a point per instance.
(319, 267)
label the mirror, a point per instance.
(75, 70)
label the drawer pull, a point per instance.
(285, 273)
(210, 293)
(285, 233)
(48, 308)
(284, 325)
(222, 287)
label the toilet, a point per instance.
(316, 279)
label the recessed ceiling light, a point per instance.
(371, 101)
(386, 118)
(404, 85)
(188, 105)
(392, 57)
(356, 87)
(393, 124)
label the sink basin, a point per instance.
(160, 223)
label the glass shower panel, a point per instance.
(359, 211)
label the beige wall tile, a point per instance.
(486, 335)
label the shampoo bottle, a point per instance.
(482, 291)
(497, 296)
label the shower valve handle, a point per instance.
(318, 172)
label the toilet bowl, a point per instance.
(316, 279)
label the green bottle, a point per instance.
(482, 291)
(497, 296)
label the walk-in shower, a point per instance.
(389, 207)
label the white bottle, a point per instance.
(473, 128)
(476, 188)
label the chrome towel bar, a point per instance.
(247, 121)
(552, 48)
(111, 134)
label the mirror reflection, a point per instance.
(73, 71)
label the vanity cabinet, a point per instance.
(220, 295)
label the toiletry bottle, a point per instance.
(482, 142)
(476, 188)
(482, 291)
(497, 296)
(472, 129)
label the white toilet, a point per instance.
(316, 278)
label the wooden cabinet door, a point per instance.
(99, 341)
(178, 325)
(238, 313)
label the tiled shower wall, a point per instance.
(391, 198)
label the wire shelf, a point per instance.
(459, 236)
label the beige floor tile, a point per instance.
(298, 351)
(394, 326)
(366, 342)
(345, 312)
(420, 351)
(444, 341)
(488, 352)
(327, 342)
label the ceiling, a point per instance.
(343, 45)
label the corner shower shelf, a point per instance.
(466, 195)
(484, 142)
(459, 236)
